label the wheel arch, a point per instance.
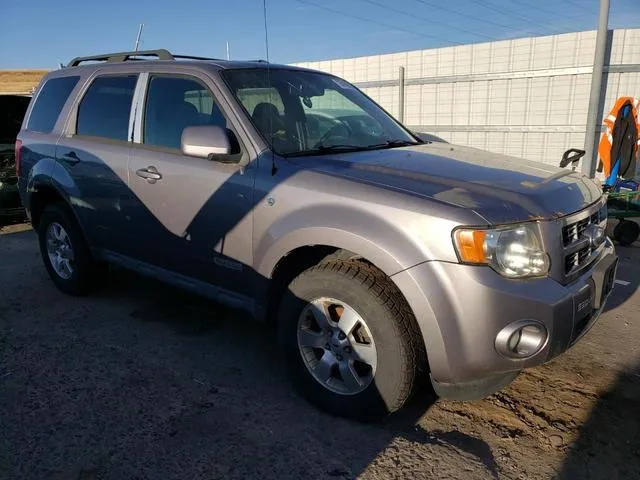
(327, 238)
(48, 183)
(47, 193)
(292, 253)
(300, 258)
(42, 196)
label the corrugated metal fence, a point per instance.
(526, 97)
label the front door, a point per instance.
(192, 216)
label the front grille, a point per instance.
(574, 231)
(579, 252)
(575, 260)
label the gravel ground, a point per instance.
(145, 381)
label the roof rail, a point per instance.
(160, 54)
(191, 57)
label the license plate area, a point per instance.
(603, 279)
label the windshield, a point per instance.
(300, 112)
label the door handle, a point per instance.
(70, 157)
(150, 174)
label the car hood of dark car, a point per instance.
(500, 188)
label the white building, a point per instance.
(526, 97)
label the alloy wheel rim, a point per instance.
(60, 251)
(337, 346)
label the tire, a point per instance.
(388, 319)
(626, 232)
(86, 273)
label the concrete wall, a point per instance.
(527, 97)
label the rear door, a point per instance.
(195, 217)
(94, 154)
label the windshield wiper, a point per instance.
(394, 143)
(321, 149)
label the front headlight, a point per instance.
(514, 252)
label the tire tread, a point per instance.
(385, 290)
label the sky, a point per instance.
(44, 33)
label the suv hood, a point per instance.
(500, 188)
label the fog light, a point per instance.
(521, 339)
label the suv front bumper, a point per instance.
(461, 309)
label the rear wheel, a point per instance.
(65, 252)
(351, 342)
(626, 232)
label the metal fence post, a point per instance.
(591, 139)
(401, 94)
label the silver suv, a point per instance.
(380, 258)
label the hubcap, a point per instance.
(60, 251)
(337, 346)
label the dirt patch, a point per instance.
(143, 381)
(16, 228)
(20, 81)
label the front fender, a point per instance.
(377, 240)
(374, 238)
(331, 237)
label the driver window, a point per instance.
(174, 103)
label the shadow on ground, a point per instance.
(143, 380)
(317, 444)
(608, 446)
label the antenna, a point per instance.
(228, 56)
(266, 30)
(274, 168)
(138, 37)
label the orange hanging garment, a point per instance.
(617, 132)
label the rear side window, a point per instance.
(49, 103)
(104, 110)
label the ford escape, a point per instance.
(380, 258)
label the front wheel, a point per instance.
(65, 252)
(351, 341)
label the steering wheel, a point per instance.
(341, 129)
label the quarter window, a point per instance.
(49, 103)
(105, 109)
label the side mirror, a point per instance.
(206, 141)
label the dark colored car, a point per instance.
(12, 110)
